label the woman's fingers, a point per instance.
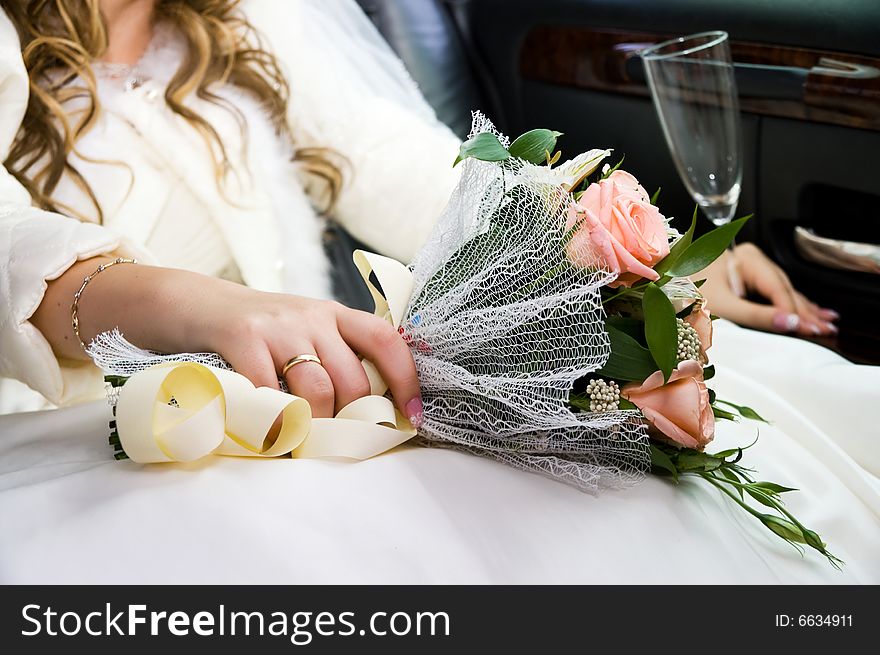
(795, 309)
(724, 302)
(810, 323)
(762, 275)
(276, 329)
(309, 380)
(350, 381)
(254, 361)
(756, 315)
(819, 319)
(794, 312)
(378, 341)
(768, 317)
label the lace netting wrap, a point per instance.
(501, 325)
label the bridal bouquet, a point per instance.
(553, 322)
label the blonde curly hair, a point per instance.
(60, 39)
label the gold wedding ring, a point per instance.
(299, 359)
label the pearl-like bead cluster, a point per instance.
(688, 342)
(604, 396)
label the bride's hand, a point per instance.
(788, 309)
(170, 310)
(257, 333)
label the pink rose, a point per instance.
(680, 408)
(620, 228)
(701, 320)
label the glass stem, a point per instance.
(733, 276)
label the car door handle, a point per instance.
(837, 68)
(752, 80)
(764, 81)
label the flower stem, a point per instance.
(810, 537)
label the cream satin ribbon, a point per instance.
(181, 412)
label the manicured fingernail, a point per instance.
(829, 314)
(415, 412)
(815, 329)
(831, 327)
(786, 322)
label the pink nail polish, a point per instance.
(786, 322)
(829, 314)
(415, 412)
(832, 328)
(815, 329)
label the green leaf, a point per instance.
(748, 412)
(678, 248)
(772, 487)
(700, 283)
(534, 145)
(784, 528)
(655, 196)
(485, 147)
(708, 372)
(814, 540)
(632, 326)
(660, 328)
(745, 412)
(694, 460)
(760, 497)
(720, 413)
(742, 472)
(706, 249)
(629, 361)
(711, 396)
(661, 460)
(579, 401)
(730, 475)
(724, 454)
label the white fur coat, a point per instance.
(348, 93)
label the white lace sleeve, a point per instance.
(351, 93)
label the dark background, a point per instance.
(811, 159)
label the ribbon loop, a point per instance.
(185, 411)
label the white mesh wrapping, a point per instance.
(500, 325)
(114, 355)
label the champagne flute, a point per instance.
(694, 91)
(693, 86)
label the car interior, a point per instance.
(808, 75)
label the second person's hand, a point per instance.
(787, 310)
